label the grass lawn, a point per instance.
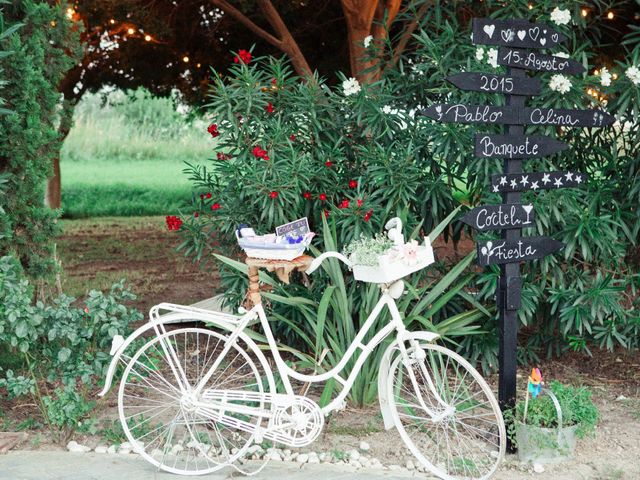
(125, 158)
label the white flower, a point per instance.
(605, 77)
(351, 87)
(561, 55)
(560, 83)
(367, 41)
(634, 74)
(386, 109)
(479, 54)
(492, 57)
(560, 17)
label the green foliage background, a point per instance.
(420, 170)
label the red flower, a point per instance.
(86, 310)
(173, 222)
(223, 156)
(353, 184)
(208, 195)
(243, 56)
(326, 214)
(367, 216)
(215, 206)
(196, 214)
(328, 164)
(273, 194)
(344, 204)
(307, 195)
(292, 138)
(274, 81)
(360, 202)
(213, 130)
(269, 107)
(323, 197)
(202, 196)
(260, 153)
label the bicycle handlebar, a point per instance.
(318, 260)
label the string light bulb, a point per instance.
(615, 76)
(584, 12)
(53, 23)
(147, 38)
(198, 65)
(610, 15)
(185, 59)
(596, 72)
(530, 7)
(131, 31)
(70, 12)
(112, 21)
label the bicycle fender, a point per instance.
(385, 366)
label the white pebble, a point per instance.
(409, 465)
(302, 458)
(355, 463)
(364, 446)
(538, 468)
(394, 467)
(75, 447)
(354, 455)
(101, 449)
(111, 450)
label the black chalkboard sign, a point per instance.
(515, 33)
(564, 117)
(491, 83)
(532, 60)
(520, 182)
(516, 146)
(496, 252)
(460, 113)
(500, 217)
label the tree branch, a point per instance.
(407, 34)
(247, 22)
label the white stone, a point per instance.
(355, 463)
(101, 449)
(126, 446)
(302, 458)
(395, 467)
(111, 450)
(322, 457)
(621, 398)
(538, 468)
(313, 459)
(75, 447)
(409, 465)
(354, 455)
(364, 446)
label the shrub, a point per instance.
(46, 46)
(59, 352)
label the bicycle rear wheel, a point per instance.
(156, 412)
(446, 413)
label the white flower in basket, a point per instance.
(385, 259)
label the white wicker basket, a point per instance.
(270, 250)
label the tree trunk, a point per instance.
(53, 195)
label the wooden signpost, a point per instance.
(513, 147)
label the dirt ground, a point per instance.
(97, 252)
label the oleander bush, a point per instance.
(287, 147)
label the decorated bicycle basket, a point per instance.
(288, 242)
(386, 258)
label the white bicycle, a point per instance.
(193, 400)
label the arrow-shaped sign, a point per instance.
(500, 217)
(532, 60)
(516, 146)
(518, 182)
(495, 252)
(460, 113)
(490, 83)
(514, 33)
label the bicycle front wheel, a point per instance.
(446, 413)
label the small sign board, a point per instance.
(565, 117)
(298, 227)
(532, 60)
(515, 33)
(491, 83)
(533, 181)
(516, 146)
(499, 217)
(496, 252)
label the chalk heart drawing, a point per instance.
(489, 29)
(554, 37)
(507, 35)
(522, 34)
(543, 41)
(534, 33)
